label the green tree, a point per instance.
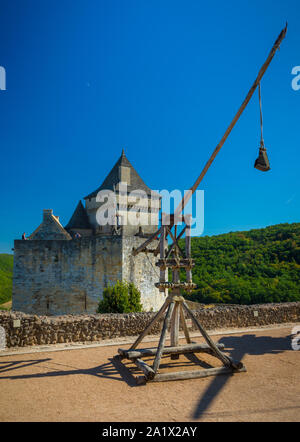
(258, 266)
(123, 297)
(6, 270)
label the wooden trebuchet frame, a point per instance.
(175, 307)
(173, 311)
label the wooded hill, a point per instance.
(6, 269)
(257, 266)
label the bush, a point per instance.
(123, 297)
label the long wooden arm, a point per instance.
(188, 194)
(263, 69)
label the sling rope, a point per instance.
(261, 117)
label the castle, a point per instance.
(64, 270)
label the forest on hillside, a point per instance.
(6, 268)
(256, 266)
(252, 267)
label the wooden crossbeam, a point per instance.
(180, 349)
(192, 374)
(173, 244)
(143, 246)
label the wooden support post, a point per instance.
(184, 326)
(163, 270)
(151, 324)
(227, 361)
(188, 220)
(175, 329)
(163, 337)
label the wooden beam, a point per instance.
(188, 247)
(184, 326)
(151, 324)
(173, 244)
(163, 337)
(262, 71)
(144, 245)
(181, 349)
(180, 375)
(145, 368)
(162, 245)
(224, 358)
(175, 330)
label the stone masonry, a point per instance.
(64, 270)
(21, 329)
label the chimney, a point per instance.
(47, 213)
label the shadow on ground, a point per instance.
(237, 347)
(113, 370)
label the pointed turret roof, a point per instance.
(79, 219)
(113, 178)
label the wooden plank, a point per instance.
(180, 375)
(145, 368)
(181, 349)
(150, 325)
(184, 326)
(163, 337)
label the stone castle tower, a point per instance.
(64, 270)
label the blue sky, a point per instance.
(162, 79)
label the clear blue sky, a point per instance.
(162, 79)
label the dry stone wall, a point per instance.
(23, 329)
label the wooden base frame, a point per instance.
(174, 308)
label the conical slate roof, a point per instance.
(113, 178)
(79, 219)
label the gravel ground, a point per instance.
(87, 384)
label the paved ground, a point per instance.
(88, 385)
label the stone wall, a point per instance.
(142, 271)
(68, 277)
(24, 330)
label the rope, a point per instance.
(261, 117)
